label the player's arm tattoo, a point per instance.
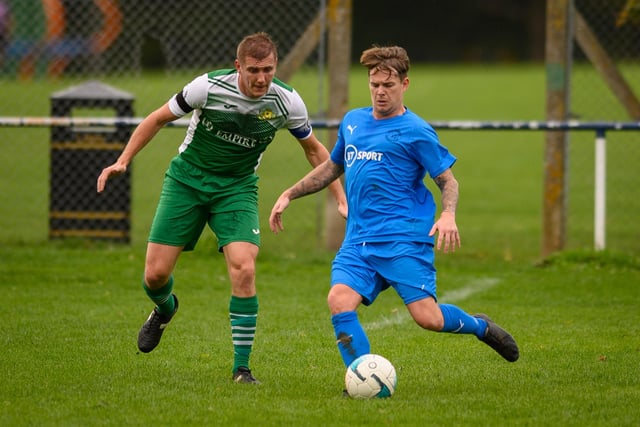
(449, 187)
(316, 180)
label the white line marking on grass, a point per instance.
(475, 287)
(454, 296)
(398, 318)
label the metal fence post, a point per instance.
(600, 191)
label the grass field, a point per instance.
(71, 316)
(71, 310)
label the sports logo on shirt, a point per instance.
(393, 136)
(236, 139)
(351, 154)
(266, 114)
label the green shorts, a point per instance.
(228, 205)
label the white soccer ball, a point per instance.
(370, 375)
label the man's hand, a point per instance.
(448, 236)
(108, 172)
(343, 210)
(275, 219)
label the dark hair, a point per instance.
(258, 45)
(386, 58)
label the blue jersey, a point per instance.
(385, 163)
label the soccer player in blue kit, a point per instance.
(385, 152)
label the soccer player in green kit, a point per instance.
(212, 180)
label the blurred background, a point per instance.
(132, 35)
(477, 60)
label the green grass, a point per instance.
(71, 313)
(71, 310)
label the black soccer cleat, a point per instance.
(151, 332)
(243, 375)
(499, 339)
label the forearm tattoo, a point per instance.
(315, 181)
(449, 188)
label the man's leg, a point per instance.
(351, 338)
(243, 306)
(450, 318)
(158, 285)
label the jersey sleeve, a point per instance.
(298, 123)
(434, 156)
(337, 154)
(191, 97)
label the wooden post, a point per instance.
(302, 49)
(558, 54)
(339, 64)
(588, 42)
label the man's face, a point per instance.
(387, 93)
(255, 76)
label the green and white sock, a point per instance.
(162, 297)
(243, 313)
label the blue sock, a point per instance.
(459, 322)
(351, 338)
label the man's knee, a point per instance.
(155, 279)
(427, 314)
(342, 298)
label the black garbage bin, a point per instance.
(78, 154)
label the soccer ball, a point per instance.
(370, 375)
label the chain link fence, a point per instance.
(616, 27)
(123, 37)
(145, 49)
(150, 48)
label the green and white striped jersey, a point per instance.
(229, 131)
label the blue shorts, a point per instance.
(370, 268)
